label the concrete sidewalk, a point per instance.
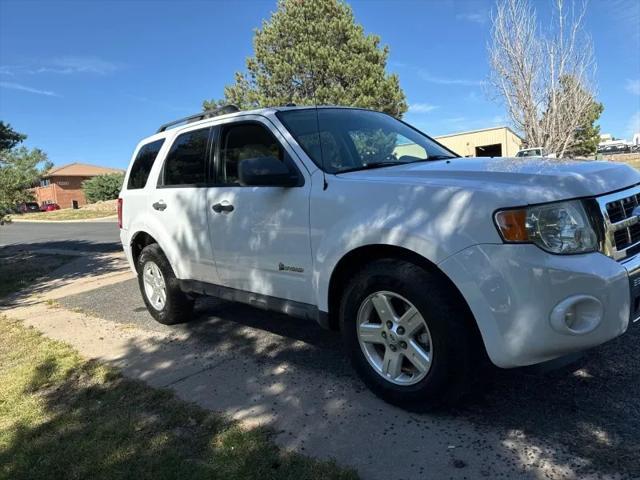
(297, 384)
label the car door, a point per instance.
(260, 235)
(179, 205)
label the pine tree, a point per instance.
(312, 52)
(587, 136)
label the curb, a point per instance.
(108, 219)
(75, 253)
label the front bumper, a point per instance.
(515, 292)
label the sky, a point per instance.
(87, 80)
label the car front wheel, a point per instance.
(407, 335)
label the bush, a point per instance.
(103, 187)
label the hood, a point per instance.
(531, 180)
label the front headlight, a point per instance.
(562, 227)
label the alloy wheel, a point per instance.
(394, 338)
(154, 285)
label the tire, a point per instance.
(175, 306)
(447, 339)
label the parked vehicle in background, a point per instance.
(27, 207)
(426, 262)
(49, 207)
(616, 146)
(536, 152)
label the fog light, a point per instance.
(577, 315)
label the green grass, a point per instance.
(19, 270)
(65, 214)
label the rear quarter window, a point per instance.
(142, 164)
(186, 162)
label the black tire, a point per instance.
(178, 307)
(455, 342)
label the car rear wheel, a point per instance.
(407, 335)
(160, 288)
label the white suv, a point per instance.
(426, 262)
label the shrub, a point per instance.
(103, 187)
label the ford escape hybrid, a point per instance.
(424, 261)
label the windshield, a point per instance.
(352, 139)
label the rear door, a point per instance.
(260, 235)
(178, 204)
(135, 194)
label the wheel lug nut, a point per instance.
(389, 324)
(400, 330)
(384, 334)
(403, 344)
(393, 348)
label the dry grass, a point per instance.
(103, 206)
(632, 159)
(93, 210)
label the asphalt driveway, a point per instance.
(580, 422)
(94, 236)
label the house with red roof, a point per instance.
(63, 185)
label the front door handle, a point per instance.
(159, 205)
(219, 208)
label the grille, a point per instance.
(622, 227)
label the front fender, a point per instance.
(432, 221)
(330, 252)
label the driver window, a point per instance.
(243, 141)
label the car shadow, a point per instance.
(591, 409)
(36, 271)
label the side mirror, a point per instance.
(266, 172)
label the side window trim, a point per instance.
(160, 182)
(218, 162)
(212, 158)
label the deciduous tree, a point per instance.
(545, 78)
(20, 169)
(103, 187)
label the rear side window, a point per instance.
(142, 164)
(186, 162)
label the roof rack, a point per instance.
(200, 116)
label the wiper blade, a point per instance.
(439, 157)
(372, 165)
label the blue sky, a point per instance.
(87, 80)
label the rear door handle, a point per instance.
(159, 205)
(219, 208)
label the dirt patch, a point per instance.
(103, 206)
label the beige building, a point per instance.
(488, 142)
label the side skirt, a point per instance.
(265, 302)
